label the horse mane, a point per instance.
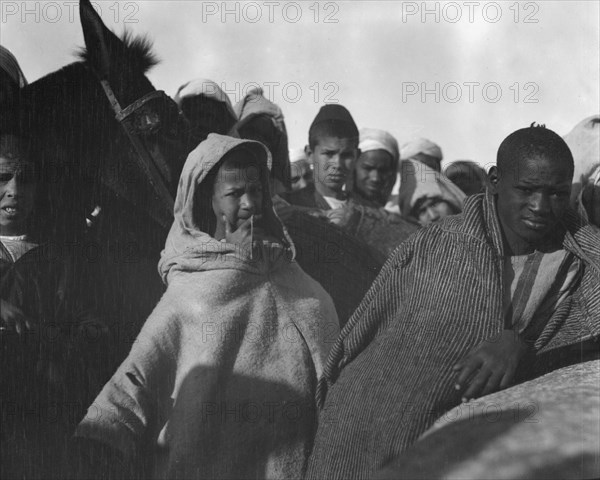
(138, 50)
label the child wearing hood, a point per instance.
(426, 195)
(220, 381)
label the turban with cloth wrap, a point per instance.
(421, 145)
(253, 107)
(203, 87)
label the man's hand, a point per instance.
(13, 319)
(491, 365)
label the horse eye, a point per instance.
(147, 122)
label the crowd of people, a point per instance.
(247, 367)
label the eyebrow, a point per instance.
(525, 183)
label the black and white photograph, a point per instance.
(299, 240)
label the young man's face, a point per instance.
(333, 158)
(532, 197)
(302, 175)
(237, 192)
(17, 191)
(375, 174)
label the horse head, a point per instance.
(101, 131)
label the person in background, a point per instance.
(584, 142)
(55, 346)
(589, 202)
(369, 186)
(206, 107)
(467, 175)
(421, 150)
(424, 151)
(241, 328)
(12, 79)
(372, 178)
(426, 195)
(261, 120)
(332, 150)
(10, 66)
(302, 172)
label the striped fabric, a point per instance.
(388, 376)
(535, 285)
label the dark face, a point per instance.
(333, 158)
(375, 175)
(532, 197)
(262, 129)
(206, 115)
(237, 192)
(17, 190)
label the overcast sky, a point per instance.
(464, 74)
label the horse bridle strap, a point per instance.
(144, 158)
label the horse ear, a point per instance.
(100, 42)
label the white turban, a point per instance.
(421, 145)
(374, 139)
(205, 87)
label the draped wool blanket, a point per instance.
(389, 377)
(545, 428)
(220, 382)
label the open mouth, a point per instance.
(11, 211)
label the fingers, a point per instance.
(476, 385)
(493, 383)
(246, 225)
(13, 319)
(467, 368)
(228, 228)
(508, 377)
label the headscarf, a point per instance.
(421, 145)
(9, 64)
(584, 143)
(374, 139)
(420, 182)
(255, 104)
(204, 87)
(187, 244)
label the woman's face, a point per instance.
(238, 191)
(434, 209)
